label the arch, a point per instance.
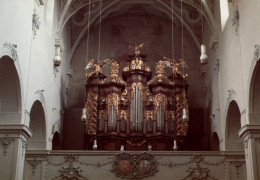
(215, 142)
(254, 95)
(233, 125)
(56, 141)
(38, 127)
(10, 92)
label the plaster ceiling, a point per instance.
(77, 11)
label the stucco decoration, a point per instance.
(35, 23)
(24, 144)
(55, 71)
(134, 166)
(213, 43)
(56, 126)
(243, 116)
(5, 142)
(237, 165)
(231, 94)
(41, 95)
(235, 20)
(216, 66)
(34, 163)
(197, 159)
(13, 50)
(71, 171)
(42, 2)
(198, 173)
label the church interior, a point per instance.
(129, 89)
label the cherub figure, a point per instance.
(176, 67)
(136, 47)
(96, 66)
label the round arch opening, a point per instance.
(215, 142)
(56, 141)
(10, 92)
(233, 141)
(38, 127)
(254, 96)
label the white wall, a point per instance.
(235, 53)
(36, 55)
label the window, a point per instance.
(224, 13)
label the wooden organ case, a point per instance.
(136, 111)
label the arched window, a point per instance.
(224, 13)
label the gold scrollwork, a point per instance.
(135, 142)
(114, 69)
(149, 115)
(160, 99)
(160, 67)
(124, 93)
(148, 69)
(101, 114)
(126, 69)
(123, 114)
(144, 90)
(181, 103)
(113, 99)
(91, 106)
(171, 114)
(137, 63)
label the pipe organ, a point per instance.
(136, 110)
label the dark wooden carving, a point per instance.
(136, 110)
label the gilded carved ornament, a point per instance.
(136, 48)
(113, 99)
(123, 114)
(101, 114)
(137, 63)
(91, 106)
(181, 103)
(97, 67)
(149, 115)
(171, 114)
(160, 99)
(160, 67)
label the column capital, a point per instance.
(249, 130)
(15, 131)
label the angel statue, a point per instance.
(177, 66)
(96, 66)
(136, 47)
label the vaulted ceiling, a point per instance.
(77, 13)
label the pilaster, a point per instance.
(251, 137)
(13, 140)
